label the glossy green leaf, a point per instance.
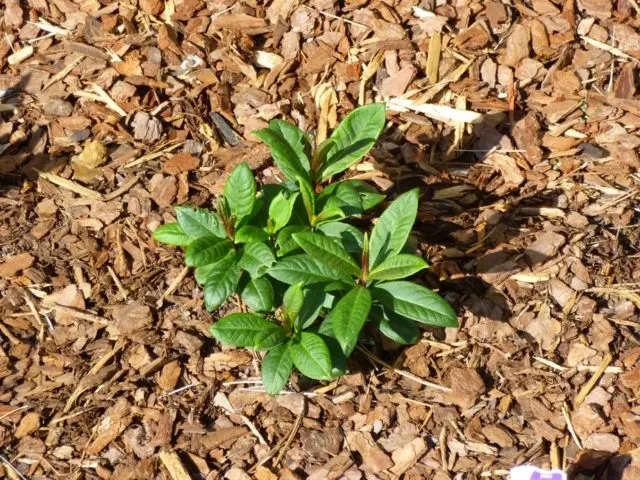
(353, 138)
(222, 280)
(280, 210)
(329, 300)
(288, 145)
(348, 317)
(202, 273)
(256, 258)
(394, 327)
(270, 338)
(240, 192)
(205, 250)
(338, 358)
(329, 215)
(258, 207)
(344, 197)
(320, 154)
(327, 252)
(416, 302)
(308, 198)
(240, 329)
(303, 268)
(314, 299)
(368, 194)
(311, 356)
(292, 300)
(259, 295)
(402, 330)
(285, 242)
(398, 266)
(347, 235)
(392, 228)
(249, 233)
(172, 234)
(276, 369)
(198, 222)
(264, 198)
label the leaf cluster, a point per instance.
(311, 279)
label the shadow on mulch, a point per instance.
(19, 161)
(597, 465)
(451, 219)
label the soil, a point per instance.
(518, 121)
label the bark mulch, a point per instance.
(517, 119)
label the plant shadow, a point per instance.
(591, 464)
(485, 224)
(22, 153)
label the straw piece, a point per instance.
(433, 59)
(587, 387)
(442, 113)
(71, 185)
(172, 463)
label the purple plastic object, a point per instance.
(545, 476)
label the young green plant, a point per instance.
(345, 292)
(311, 279)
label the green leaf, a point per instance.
(269, 191)
(303, 268)
(249, 233)
(280, 210)
(308, 198)
(276, 369)
(368, 197)
(329, 301)
(205, 250)
(347, 235)
(353, 138)
(198, 222)
(287, 144)
(399, 329)
(370, 200)
(222, 280)
(202, 273)
(264, 198)
(344, 197)
(256, 259)
(398, 266)
(240, 192)
(267, 339)
(320, 154)
(348, 317)
(259, 295)
(338, 358)
(293, 300)
(392, 228)
(368, 194)
(285, 242)
(416, 302)
(314, 298)
(329, 215)
(311, 356)
(327, 252)
(240, 329)
(172, 234)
